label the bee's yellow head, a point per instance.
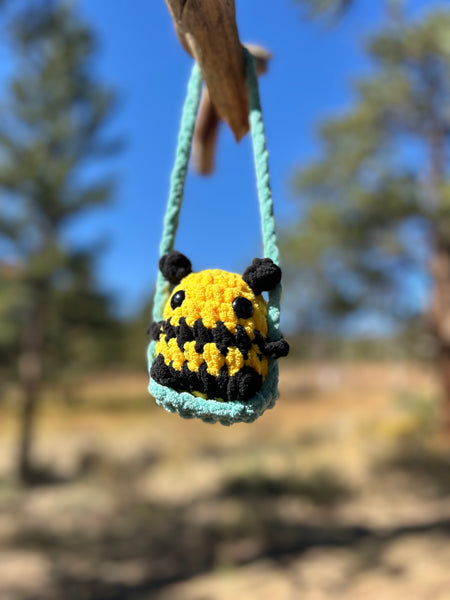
(219, 296)
(214, 296)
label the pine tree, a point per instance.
(54, 116)
(335, 9)
(375, 206)
(318, 8)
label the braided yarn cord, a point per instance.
(261, 158)
(177, 180)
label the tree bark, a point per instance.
(208, 120)
(208, 31)
(30, 387)
(444, 369)
(440, 263)
(440, 321)
(30, 374)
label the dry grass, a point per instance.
(340, 492)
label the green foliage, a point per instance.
(374, 203)
(316, 8)
(335, 9)
(53, 118)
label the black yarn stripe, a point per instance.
(219, 335)
(241, 386)
(260, 342)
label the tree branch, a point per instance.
(207, 30)
(208, 121)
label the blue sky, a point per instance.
(139, 55)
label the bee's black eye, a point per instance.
(242, 307)
(177, 299)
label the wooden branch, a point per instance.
(205, 135)
(207, 30)
(208, 121)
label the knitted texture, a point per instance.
(177, 181)
(203, 344)
(215, 338)
(211, 411)
(212, 341)
(261, 158)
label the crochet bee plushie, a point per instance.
(213, 341)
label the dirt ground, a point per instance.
(342, 491)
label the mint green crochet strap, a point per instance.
(177, 180)
(270, 247)
(261, 158)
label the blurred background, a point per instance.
(342, 490)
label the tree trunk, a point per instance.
(30, 388)
(440, 322)
(30, 373)
(444, 369)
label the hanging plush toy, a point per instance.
(215, 339)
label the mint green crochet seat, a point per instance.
(212, 411)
